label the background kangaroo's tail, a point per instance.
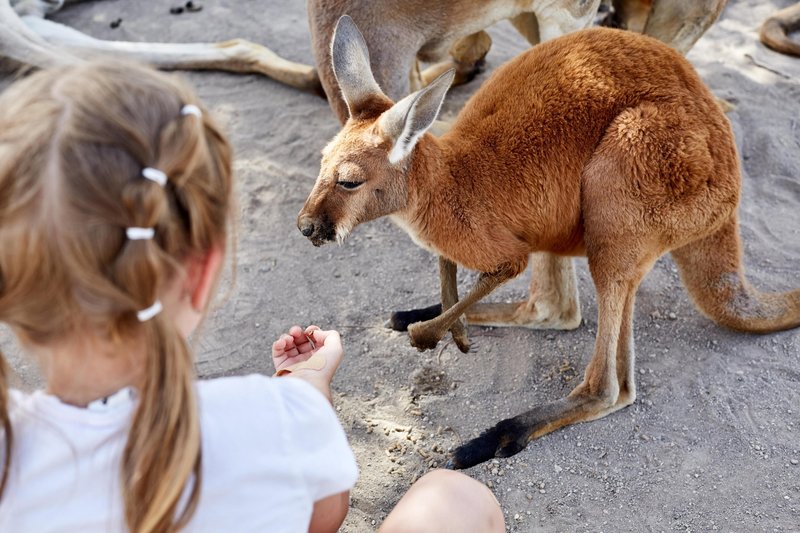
(711, 269)
(775, 29)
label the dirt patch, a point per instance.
(713, 439)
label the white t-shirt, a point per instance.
(271, 448)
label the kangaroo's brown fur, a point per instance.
(401, 34)
(602, 142)
(774, 32)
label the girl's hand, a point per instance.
(299, 345)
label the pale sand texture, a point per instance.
(709, 443)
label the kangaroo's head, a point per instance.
(363, 171)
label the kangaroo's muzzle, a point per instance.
(318, 230)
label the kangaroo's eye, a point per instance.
(350, 185)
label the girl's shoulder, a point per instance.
(284, 414)
(285, 422)
(277, 400)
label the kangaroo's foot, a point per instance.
(533, 314)
(401, 320)
(511, 436)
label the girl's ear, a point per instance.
(201, 276)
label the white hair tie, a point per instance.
(153, 174)
(191, 109)
(140, 234)
(146, 314)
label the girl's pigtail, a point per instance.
(162, 455)
(162, 458)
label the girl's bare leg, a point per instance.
(444, 501)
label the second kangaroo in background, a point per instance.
(602, 142)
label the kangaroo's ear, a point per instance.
(350, 59)
(409, 118)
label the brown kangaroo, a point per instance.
(775, 29)
(400, 34)
(602, 142)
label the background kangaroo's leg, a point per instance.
(552, 304)
(425, 335)
(466, 56)
(21, 45)
(528, 26)
(449, 290)
(681, 24)
(631, 14)
(556, 19)
(236, 55)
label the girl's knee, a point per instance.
(444, 500)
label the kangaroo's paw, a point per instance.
(459, 332)
(400, 320)
(423, 336)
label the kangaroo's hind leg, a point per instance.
(607, 385)
(552, 302)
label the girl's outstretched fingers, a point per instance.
(300, 345)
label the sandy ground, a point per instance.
(713, 441)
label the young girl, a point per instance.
(115, 199)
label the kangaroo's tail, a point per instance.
(775, 29)
(711, 269)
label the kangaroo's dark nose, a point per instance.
(306, 227)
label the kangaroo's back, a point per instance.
(562, 94)
(525, 138)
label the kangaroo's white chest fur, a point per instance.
(414, 234)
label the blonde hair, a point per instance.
(73, 144)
